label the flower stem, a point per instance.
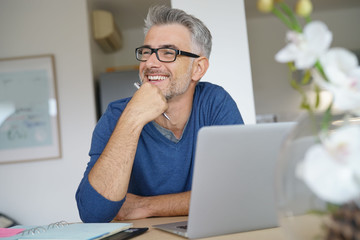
(304, 103)
(317, 96)
(282, 17)
(307, 77)
(296, 27)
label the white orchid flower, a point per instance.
(332, 169)
(304, 49)
(342, 70)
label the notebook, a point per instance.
(233, 188)
(63, 230)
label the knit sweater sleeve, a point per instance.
(92, 206)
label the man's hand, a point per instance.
(148, 102)
(133, 208)
(137, 207)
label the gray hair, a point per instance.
(200, 34)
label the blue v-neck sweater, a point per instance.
(161, 166)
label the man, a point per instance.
(142, 151)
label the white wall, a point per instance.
(272, 91)
(44, 191)
(229, 60)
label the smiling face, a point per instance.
(172, 78)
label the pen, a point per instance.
(137, 85)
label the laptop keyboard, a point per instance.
(182, 227)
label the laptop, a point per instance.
(233, 188)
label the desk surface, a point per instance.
(155, 234)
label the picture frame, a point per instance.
(29, 117)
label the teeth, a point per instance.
(156, 77)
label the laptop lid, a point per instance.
(234, 180)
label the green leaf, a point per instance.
(325, 124)
(319, 67)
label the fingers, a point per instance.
(148, 102)
(132, 208)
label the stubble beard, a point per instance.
(179, 85)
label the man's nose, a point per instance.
(153, 60)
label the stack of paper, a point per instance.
(69, 231)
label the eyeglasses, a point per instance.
(162, 54)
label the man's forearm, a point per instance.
(136, 207)
(170, 204)
(110, 174)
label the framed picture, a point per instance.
(29, 118)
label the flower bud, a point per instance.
(265, 5)
(303, 8)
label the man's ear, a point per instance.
(200, 67)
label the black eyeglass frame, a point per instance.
(155, 50)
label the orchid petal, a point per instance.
(340, 58)
(341, 68)
(330, 180)
(304, 61)
(306, 48)
(318, 37)
(287, 54)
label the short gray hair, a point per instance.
(200, 34)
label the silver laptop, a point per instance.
(234, 180)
